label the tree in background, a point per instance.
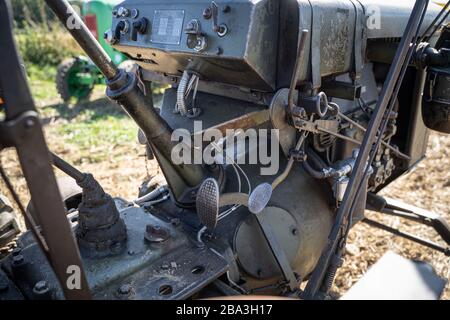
(32, 12)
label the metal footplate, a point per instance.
(176, 276)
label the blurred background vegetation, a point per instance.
(43, 44)
(85, 130)
(41, 38)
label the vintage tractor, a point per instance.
(283, 121)
(77, 76)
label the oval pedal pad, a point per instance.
(260, 197)
(207, 203)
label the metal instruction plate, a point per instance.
(167, 26)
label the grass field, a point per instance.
(98, 137)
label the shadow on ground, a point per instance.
(95, 110)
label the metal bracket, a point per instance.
(359, 41)
(278, 253)
(13, 132)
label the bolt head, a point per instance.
(123, 12)
(165, 266)
(207, 13)
(125, 289)
(41, 287)
(29, 123)
(16, 251)
(134, 13)
(156, 234)
(18, 260)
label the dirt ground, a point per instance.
(123, 167)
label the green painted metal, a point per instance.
(81, 78)
(103, 9)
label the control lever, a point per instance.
(113, 36)
(221, 29)
(196, 38)
(139, 27)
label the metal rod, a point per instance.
(338, 135)
(405, 215)
(84, 37)
(329, 251)
(427, 37)
(387, 145)
(288, 168)
(408, 236)
(68, 169)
